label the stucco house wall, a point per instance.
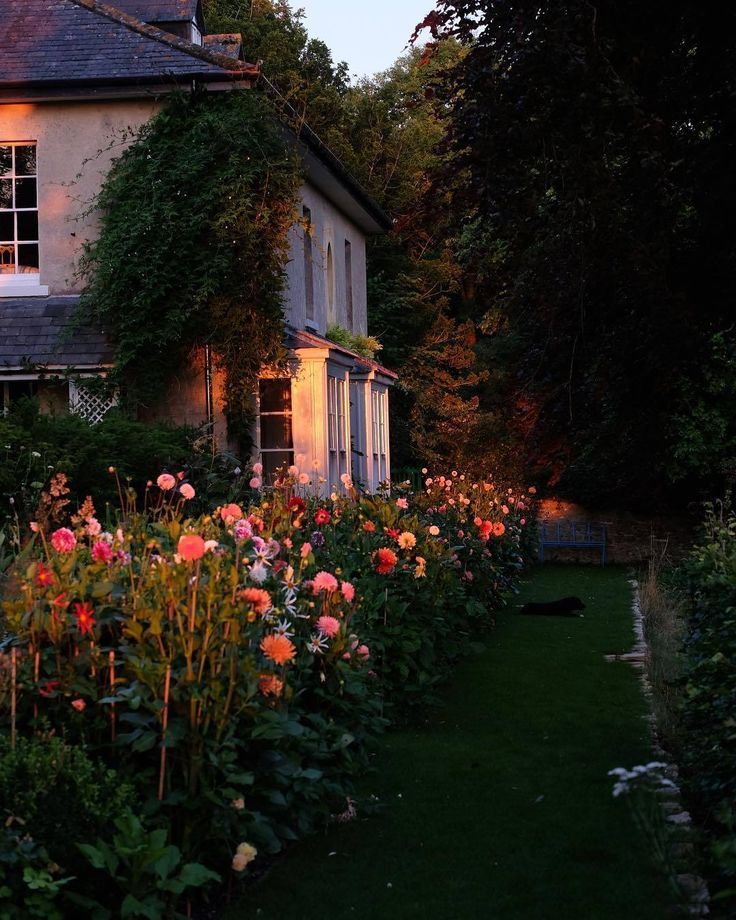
(330, 227)
(77, 142)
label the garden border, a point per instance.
(694, 889)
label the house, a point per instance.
(78, 78)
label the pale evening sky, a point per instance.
(368, 34)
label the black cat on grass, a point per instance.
(565, 607)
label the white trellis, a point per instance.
(90, 403)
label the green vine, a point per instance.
(192, 246)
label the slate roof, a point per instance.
(68, 42)
(229, 43)
(159, 10)
(32, 332)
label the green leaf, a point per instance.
(194, 875)
(167, 862)
(97, 857)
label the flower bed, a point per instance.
(234, 668)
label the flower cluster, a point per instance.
(266, 633)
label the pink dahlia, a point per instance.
(348, 591)
(330, 626)
(63, 540)
(324, 581)
(102, 552)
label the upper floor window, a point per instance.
(330, 285)
(349, 283)
(308, 263)
(18, 209)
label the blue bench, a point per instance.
(566, 534)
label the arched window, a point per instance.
(349, 283)
(330, 285)
(308, 264)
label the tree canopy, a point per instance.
(585, 156)
(557, 291)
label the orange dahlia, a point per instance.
(278, 648)
(270, 685)
(258, 599)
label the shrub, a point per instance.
(33, 446)
(710, 703)
(30, 883)
(59, 793)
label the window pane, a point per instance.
(6, 193)
(25, 193)
(272, 463)
(6, 160)
(25, 161)
(7, 230)
(28, 257)
(275, 395)
(7, 260)
(275, 432)
(13, 390)
(27, 225)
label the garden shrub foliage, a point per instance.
(710, 702)
(236, 666)
(193, 242)
(33, 446)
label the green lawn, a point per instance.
(499, 807)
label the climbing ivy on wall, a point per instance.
(194, 218)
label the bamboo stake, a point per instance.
(162, 770)
(36, 671)
(13, 681)
(112, 690)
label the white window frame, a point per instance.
(285, 413)
(358, 445)
(338, 429)
(379, 436)
(27, 284)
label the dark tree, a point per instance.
(588, 156)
